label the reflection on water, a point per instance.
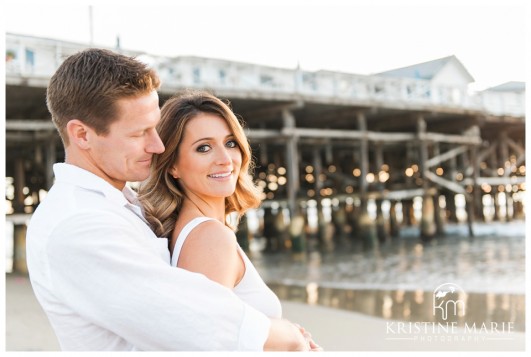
(483, 264)
(397, 279)
(411, 305)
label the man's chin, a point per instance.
(139, 177)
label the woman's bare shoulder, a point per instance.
(214, 233)
(211, 249)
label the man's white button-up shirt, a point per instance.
(105, 281)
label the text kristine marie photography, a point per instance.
(449, 322)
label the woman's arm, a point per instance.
(212, 250)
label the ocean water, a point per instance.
(397, 280)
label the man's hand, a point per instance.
(286, 336)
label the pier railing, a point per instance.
(219, 74)
(30, 57)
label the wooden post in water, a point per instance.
(410, 159)
(353, 218)
(19, 229)
(394, 228)
(439, 223)
(242, 234)
(476, 190)
(269, 231)
(339, 220)
(366, 226)
(518, 209)
(381, 227)
(263, 158)
(451, 208)
(51, 158)
(407, 204)
(493, 164)
(407, 212)
(437, 212)
(427, 221)
(504, 153)
(19, 251)
(469, 198)
(298, 243)
(509, 203)
(353, 215)
(329, 153)
(318, 185)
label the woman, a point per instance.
(201, 178)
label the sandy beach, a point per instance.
(28, 329)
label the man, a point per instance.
(99, 272)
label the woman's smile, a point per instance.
(221, 175)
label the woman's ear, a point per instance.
(78, 133)
(174, 172)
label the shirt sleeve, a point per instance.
(252, 333)
(111, 274)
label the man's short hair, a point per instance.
(87, 85)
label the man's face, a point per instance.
(125, 152)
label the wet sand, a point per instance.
(27, 328)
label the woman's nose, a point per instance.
(223, 157)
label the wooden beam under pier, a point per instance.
(488, 152)
(520, 150)
(29, 125)
(396, 195)
(446, 156)
(30, 137)
(359, 135)
(452, 139)
(35, 125)
(272, 111)
(495, 181)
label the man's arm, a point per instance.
(111, 275)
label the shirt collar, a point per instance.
(82, 178)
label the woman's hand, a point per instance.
(287, 336)
(314, 347)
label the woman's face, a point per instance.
(209, 159)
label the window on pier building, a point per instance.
(267, 80)
(309, 81)
(30, 60)
(222, 76)
(196, 75)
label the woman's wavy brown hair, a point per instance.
(161, 195)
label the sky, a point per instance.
(356, 36)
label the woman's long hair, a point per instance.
(161, 195)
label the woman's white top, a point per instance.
(251, 288)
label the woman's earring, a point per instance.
(174, 174)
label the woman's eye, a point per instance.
(232, 144)
(203, 148)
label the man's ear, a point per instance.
(78, 133)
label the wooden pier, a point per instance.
(369, 147)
